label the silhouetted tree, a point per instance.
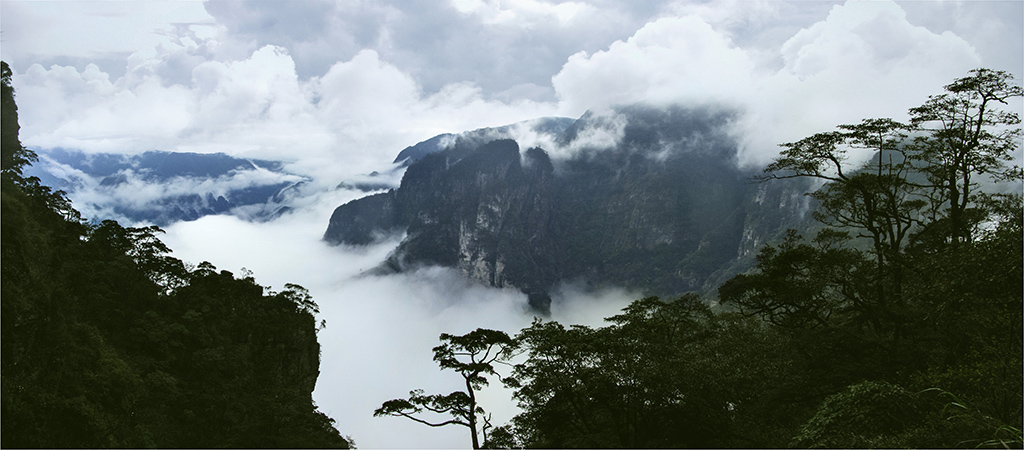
(473, 356)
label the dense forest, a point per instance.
(898, 325)
(109, 342)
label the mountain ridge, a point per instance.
(664, 209)
(180, 186)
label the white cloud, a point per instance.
(362, 111)
(524, 13)
(35, 30)
(182, 94)
(670, 60)
(864, 60)
(380, 329)
(137, 191)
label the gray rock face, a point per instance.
(664, 208)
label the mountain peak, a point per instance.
(661, 208)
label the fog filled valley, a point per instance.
(380, 329)
(536, 224)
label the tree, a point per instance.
(866, 415)
(879, 201)
(473, 356)
(645, 380)
(918, 192)
(109, 342)
(965, 135)
(935, 273)
(801, 286)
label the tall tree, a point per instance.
(878, 201)
(965, 135)
(473, 356)
(943, 290)
(913, 191)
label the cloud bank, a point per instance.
(380, 330)
(863, 60)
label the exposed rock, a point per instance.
(644, 198)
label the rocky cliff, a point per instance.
(643, 197)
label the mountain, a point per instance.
(550, 127)
(643, 197)
(164, 187)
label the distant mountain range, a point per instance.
(160, 187)
(642, 197)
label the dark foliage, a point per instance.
(109, 342)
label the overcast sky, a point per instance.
(340, 87)
(357, 81)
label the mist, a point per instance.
(334, 91)
(380, 329)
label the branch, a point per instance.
(449, 422)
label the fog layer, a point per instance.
(380, 329)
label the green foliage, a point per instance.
(107, 341)
(13, 157)
(967, 136)
(802, 286)
(643, 381)
(866, 415)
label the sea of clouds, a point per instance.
(380, 329)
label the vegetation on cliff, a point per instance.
(109, 342)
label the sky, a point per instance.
(337, 88)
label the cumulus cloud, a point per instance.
(670, 60)
(866, 56)
(863, 60)
(508, 46)
(351, 120)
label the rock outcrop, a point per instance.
(646, 198)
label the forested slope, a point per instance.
(109, 342)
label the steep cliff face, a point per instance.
(488, 215)
(647, 198)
